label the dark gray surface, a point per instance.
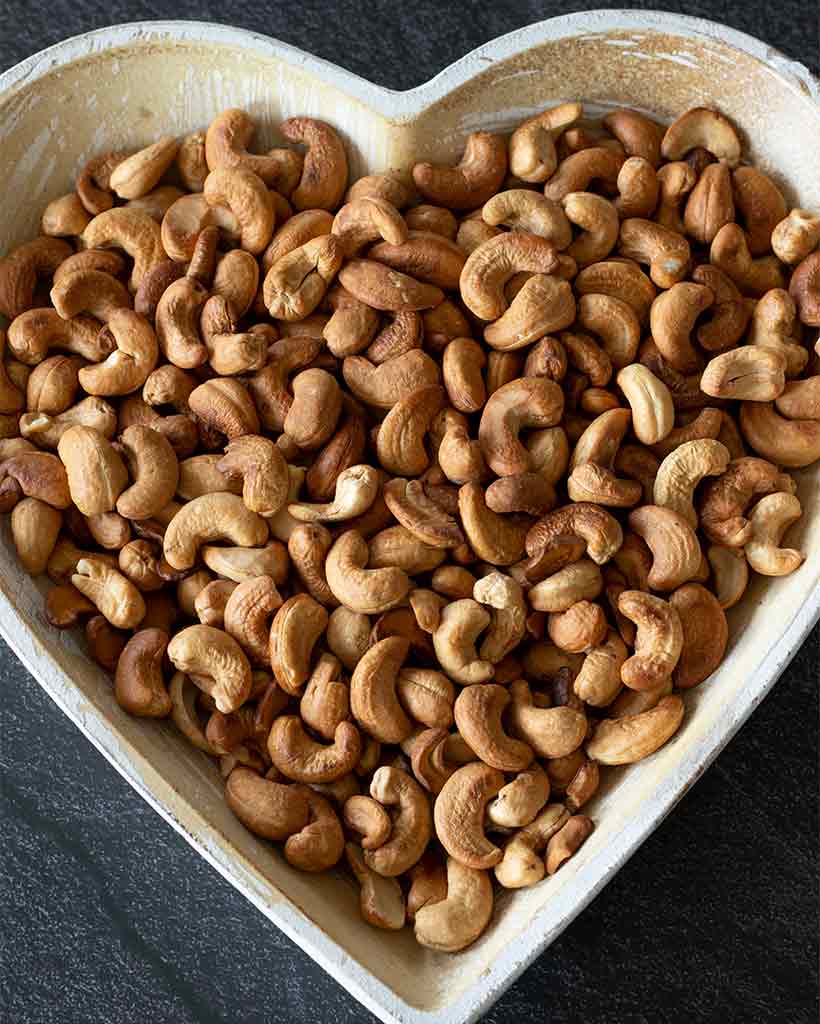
(108, 916)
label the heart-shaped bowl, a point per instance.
(127, 85)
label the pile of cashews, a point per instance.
(414, 500)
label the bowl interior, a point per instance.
(158, 84)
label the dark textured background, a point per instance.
(108, 916)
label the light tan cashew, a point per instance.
(653, 412)
(385, 385)
(269, 809)
(521, 209)
(32, 334)
(508, 616)
(601, 531)
(324, 173)
(599, 680)
(264, 473)
(397, 546)
(702, 127)
(551, 732)
(157, 202)
(518, 803)
(295, 285)
(459, 457)
(366, 816)
(729, 252)
(639, 135)
(795, 237)
(774, 324)
(705, 634)
(403, 332)
(676, 553)
(725, 500)
(215, 662)
(89, 291)
(800, 399)
(308, 546)
(138, 173)
(581, 626)
(218, 516)
(131, 230)
(473, 232)
(96, 473)
(177, 323)
(20, 270)
(369, 591)
(297, 230)
(373, 699)
(427, 758)
(187, 218)
(461, 365)
(302, 759)
(352, 326)
(549, 452)
(226, 142)
(730, 574)
(769, 519)
(658, 641)
(400, 442)
(478, 710)
(109, 529)
(751, 373)
(412, 825)
(247, 198)
(672, 319)
(666, 252)
(283, 524)
(422, 516)
(115, 596)
(315, 410)
(681, 472)
(791, 443)
(459, 811)
(521, 864)
(676, 181)
(295, 630)
(199, 475)
(381, 900)
(578, 581)
(469, 183)
(390, 186)
(426, 606)
(64, 216)
(35, 527)
(544, 304)
(183, 694)
(526, 402)
(494, 262)
(601, 440)
(367, 220)
(455, 922)
(598, 219)
(154, 470)
(630, 739)
(191, 162)
(525, 492)
(381, 287)
(437, 219)
(427, 696)
(356, 490)
(460, 624)
(638, 188)
(235, 278)
(326, 699)
(129, 365)
(246, 616)
(710, 204)
(348, 636)
(225, 406)
(577, 171)
(622, 280)
(532, 144)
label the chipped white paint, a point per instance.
(174, 77)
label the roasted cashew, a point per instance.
(129, 229)
(701, 126)
(551, 732)
(459, 815)
(361, 589)
(218, 516)
(478, 710)
(115, 596)
(296, 628)
(633, 737)
(681, 472)
(795, 237)
(324, 172)
(381, 900)
(302, 759)
(769, 520)
(705, 634)
(472, 181)
(526, 402)
(412, 825)
(544, 304)
(492, 264)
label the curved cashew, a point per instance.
(154, 469)
(356, 490)
(672, 319)
(804, 288)
(360, 589)
(730, 574)
(398, 547)
(324, 173)
(215, 662)
(320, 844)
(544, 304)
(658, 641)
(366, 816)
(64, 216)
(381, 900)
(521, 864)
(521, 209)
(551, 732)
(598, 219)
(752, 373)
(774, 325)
(494, 262)
(400, 442)
(630, 739)
(383, 288)
(20, 270)
(129, 365)
(451, 924)
(302, 759)
(454, 640)
(676, 554)
(459, 815)
(412, 825)
(599, 680)
(132, 230)
(295, 630)
(666, 252)
(269, 809)
(218, 516)
(729, 252)
(373, 699)
(769, 519)
(601, 531)
(295, 285)
(247, 610)
(653, 412)
(472, 181)
(138, 683)
(615, 323)
(32, 334)
(620, 279)
(264, 473)
(577, 171)
(578, 581)
(96, 473)
(681, 472)
(526, 402)
(532, 144)
(762, 205)
(225, 405)
(478, 710)
(795, 237)
(702, 127)
(519, 802)
(567, 841)
(792, 443)
(388, 383)
(581, 626)
(705, 634)
(507, 618)
(247, 198)
(638, 188)
(639, 135)
(89, 291)
(186, 219)
(115, 596)
(422, 516)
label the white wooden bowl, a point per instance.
(125, 85)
